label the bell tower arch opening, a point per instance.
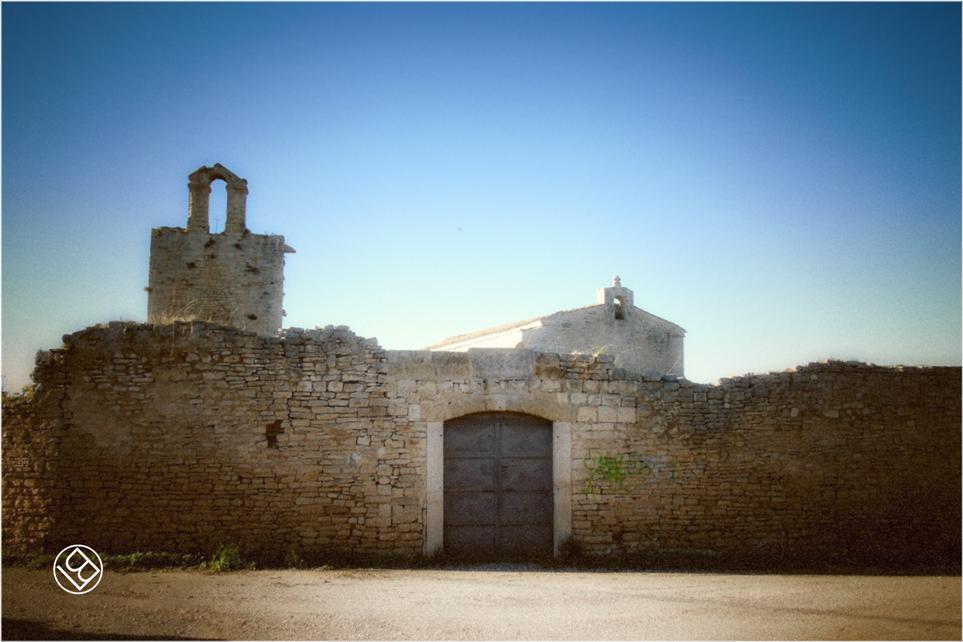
(199, 190)
(217, 208)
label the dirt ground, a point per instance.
(481, 602)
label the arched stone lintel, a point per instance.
(529, 404)
(207, 175)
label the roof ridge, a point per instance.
(457, 338)
(478, 333)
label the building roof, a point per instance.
(505, 327)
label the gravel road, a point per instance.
(481, 602)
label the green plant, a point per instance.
(292, 558)
(40, 561)
(227, 558)
(141, 560)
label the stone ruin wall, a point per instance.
(834, 462)
(234, 278)
(188, 436)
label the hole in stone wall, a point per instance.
(272, 431)
(619, 308)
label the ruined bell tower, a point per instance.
(234, 277)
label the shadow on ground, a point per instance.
(766, 563)
(29, 630)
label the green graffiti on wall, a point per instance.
(609, 472)
(604, 468)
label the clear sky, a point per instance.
(783, 181)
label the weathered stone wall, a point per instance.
(236, 279)
(31, 481)
(830, 462)
(192, 435)
(184, 437)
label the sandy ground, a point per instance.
(485, 602)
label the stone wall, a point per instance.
(192, 435)
(832, 462)
(187, 436)
(234, 278)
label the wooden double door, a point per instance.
(498, 486)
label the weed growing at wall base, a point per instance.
(229, 558)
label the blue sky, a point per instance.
(781, 180)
